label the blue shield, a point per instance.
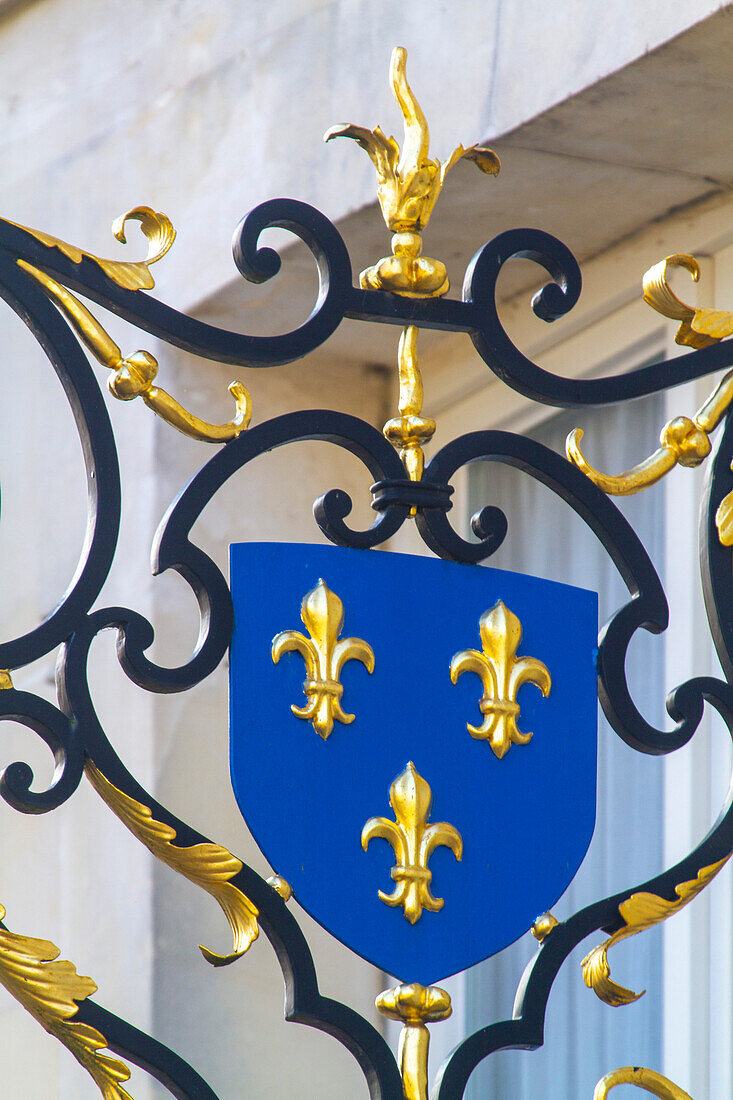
(429, 830)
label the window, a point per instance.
(583, 1037)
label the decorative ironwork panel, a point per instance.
(449, 694)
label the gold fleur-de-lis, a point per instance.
(324, 654)
(502, 674)
(413, 841)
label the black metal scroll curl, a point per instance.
(304, 1001)
(85, 276)
(647, 607)
(551, 302)
(526, 1028)
(25, 297)
(337, 298)
(173, 549)
(61, 736)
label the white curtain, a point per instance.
(583, 1037)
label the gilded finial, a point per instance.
(281, 886)
(415, 1006)
(410, 429)
(543, 926)
(408, 185)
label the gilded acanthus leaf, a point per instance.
(724, 520)
(383, 151)
(50, 990)
(485, 159)
(134, 374)
(639, 912)
(132, 275)
(207, 865)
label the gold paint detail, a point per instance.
(133, 375)
(131, 275)
(414, 841)
(415, 1006)
(51, 990)
(281, 886)
(502, 674)
(206, 865)
(543, 926)
(724, 519)
(647, 1079)
(683, 440)
(408, 185)
(410, 430)
(699, 327)
(639, 912)
(6, 680)
(322, 613)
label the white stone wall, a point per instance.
(204, 108)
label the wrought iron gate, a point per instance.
(40, 278)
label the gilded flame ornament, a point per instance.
(325, 655)
(408, 185)
(414, 841)
(502, 674)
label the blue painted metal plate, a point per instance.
(526, 819)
